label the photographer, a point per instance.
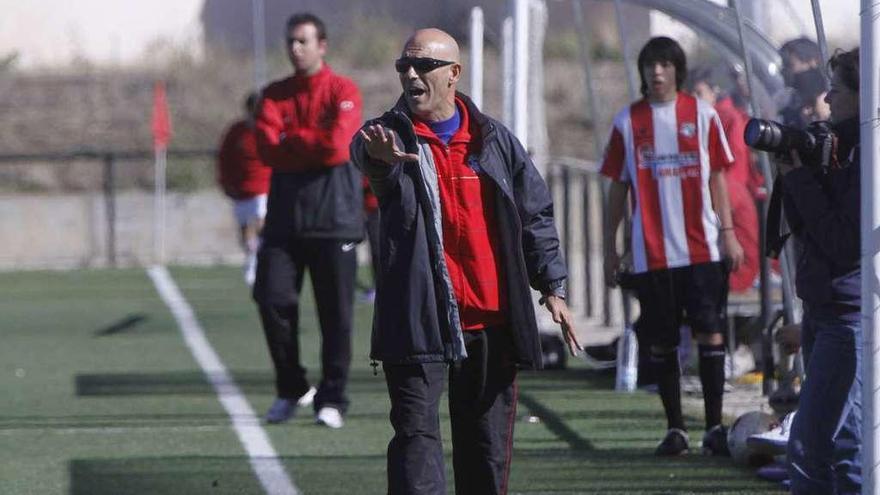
(821, 204)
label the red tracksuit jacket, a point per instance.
(240, 171)
(306, 123)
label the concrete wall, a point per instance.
(64, 231)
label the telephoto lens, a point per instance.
(766, 135)
(813, 144)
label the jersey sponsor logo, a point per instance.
(688, 129)
(683, 165)
(346, 105)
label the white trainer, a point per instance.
(250, 269)
(772, 442)
(330, 417)
(307, 398)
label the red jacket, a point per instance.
(240, 172)
(734, 121)
(470, 224)
(306, 123)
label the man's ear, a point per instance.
(454, 74)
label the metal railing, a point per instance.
(579, 195)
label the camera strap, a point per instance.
(775, 238)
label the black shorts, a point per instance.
(670, 297)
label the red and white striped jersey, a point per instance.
(666, 151)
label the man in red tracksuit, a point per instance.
(244, 178)
(314, 222)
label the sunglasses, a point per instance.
(420, 64)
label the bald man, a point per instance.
(466, 225)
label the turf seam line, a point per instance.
(555, 424)
(262, 455)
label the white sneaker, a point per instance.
(330, 417)
(307, 398)
(772, 442)
(250, 269)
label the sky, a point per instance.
(51, 32)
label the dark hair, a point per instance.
(846, 66)
(663, 49)
(809, 84)
(702, 74)
(251, 102)
(307, 18)
(803, 48)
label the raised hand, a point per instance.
(383, 145)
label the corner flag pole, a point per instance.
(161, 137)
(869, 112)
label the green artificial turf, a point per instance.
(101, 396)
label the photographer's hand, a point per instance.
(784, 166)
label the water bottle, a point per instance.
(627, 361)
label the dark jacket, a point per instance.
(323, 204)
(416, 315)
(823, 212)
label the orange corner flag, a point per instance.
(161, 119)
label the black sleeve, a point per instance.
(829, 217)
(540, 241)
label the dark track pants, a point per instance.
(482, 407)
(332, 266)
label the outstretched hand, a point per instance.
(559, 310)
(382, 145)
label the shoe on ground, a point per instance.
(785, 399)
(776, 472)
(281, 411)
(715, 442)
(772, 442)
(250, 269)
(674, 443)
(368, 296)
(601, 356)
(329, 417)
(307, 398)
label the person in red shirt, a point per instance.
(315, 220)
(244, 178)
(467, 226)
(743, 179)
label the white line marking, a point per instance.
(263, 458)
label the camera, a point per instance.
(813, 144)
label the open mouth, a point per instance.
(415, 92)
